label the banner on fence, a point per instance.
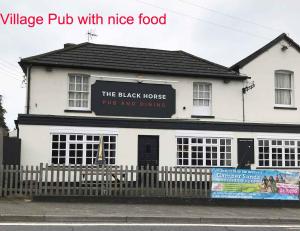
(255, 184)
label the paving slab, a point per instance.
(26, 210)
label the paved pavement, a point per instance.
(138, 227)
(27, 211)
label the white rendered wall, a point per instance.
(260, 101)
(49, 93)
(36, 144)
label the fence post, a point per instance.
(1, 180)
(121, 182)
(21, 180)
(131, 191)
(206, 182)
(11, 180)
(36, 182)
(97, 180)
(166, 181)
(41, 180)
(16, 183)
(69, 180)
(46, 180)
(63, 179)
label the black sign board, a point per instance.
(133, 99)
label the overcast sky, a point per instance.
(222, 31)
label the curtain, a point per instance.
(283, 88)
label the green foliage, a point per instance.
(2, 118)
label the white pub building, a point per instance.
(162, 108)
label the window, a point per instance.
(278, 153)
(81, 149)
(284, 88)
(182, 151)
(199, 151)
(201, 99)
(79, 91)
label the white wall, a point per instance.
(260, 101)
(36, 144)
(49, 92)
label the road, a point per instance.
(138, 227)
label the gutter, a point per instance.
(126, 70)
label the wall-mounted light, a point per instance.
(284, 47)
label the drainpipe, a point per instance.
(28, 74)
(243, 98)
(244, 91)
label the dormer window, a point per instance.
(284, 89)
(78, 91)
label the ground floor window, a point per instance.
(278, 153)
(81, 149)
(199, 151)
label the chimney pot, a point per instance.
(66, 45)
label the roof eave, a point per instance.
(25, 63)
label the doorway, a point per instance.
(148, 151)
(245, 152)
(148, 155)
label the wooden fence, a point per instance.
(97, 181)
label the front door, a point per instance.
(245, 153)
(148, 150)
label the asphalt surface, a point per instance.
(137, 227)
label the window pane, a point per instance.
(283, 97)
(72, 79)
(72, 87)
(283, 80)
(78, 79)
(85, 87)
(71, 103)
(85, 79)
(71, 95)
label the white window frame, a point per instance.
(84, 142)
(283, 147)
(74, 91)
(204, 145)
(202, 110)
(292, 89)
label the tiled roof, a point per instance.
(130, 59)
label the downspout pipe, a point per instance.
(243, 99)
(28, 74)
